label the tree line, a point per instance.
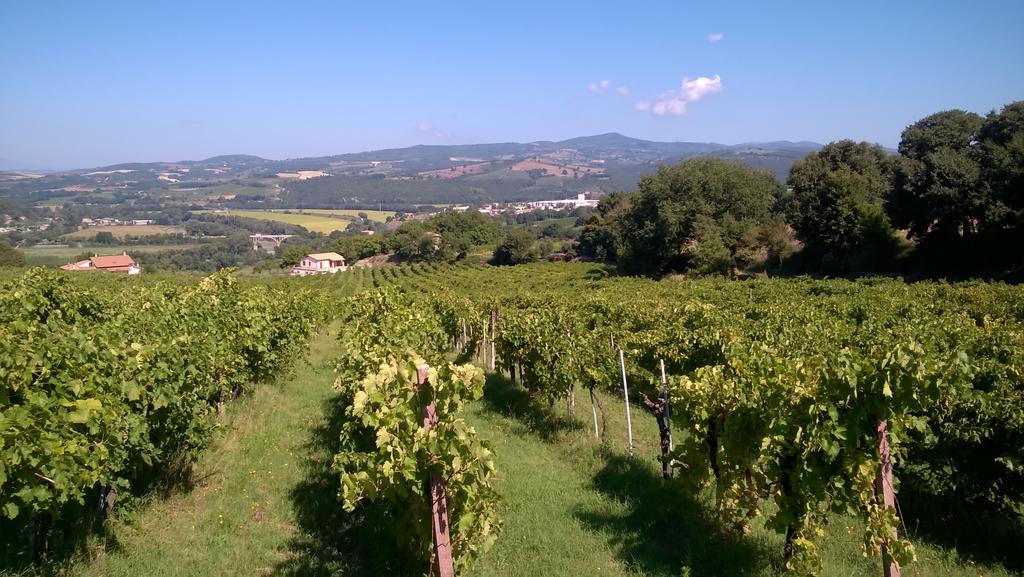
(949, 203)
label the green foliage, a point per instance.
(9, 256)
(104, 387)
(664, 216)
(444, 238)
(387, 455)
(956, 190)
(936, 192)
(415, 241)
(779, 386)
(293, 253)
(210, 257)
(357, 247)
(517, 247)
(464, 230)
(1000, 151)
(711, 256)
(104, 237)
(601, 237)
(837, 199)
(767, 245)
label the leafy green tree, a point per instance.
(601, 238)
(358, 247)
(767, 245)
(413, 241)
(516, 248)
(10, 256)
(1000, 153)
(291, 254)
(710, 256)
(463, 231)
(837, 201)
(937, 192)
(104, 237)
(726, 196)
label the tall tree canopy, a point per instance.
(703, 200)
(515, 248)
(601, 238)
(835, 191)
(936, 191)
(1000, 153)
(10, 256)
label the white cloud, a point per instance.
(716, 37)
(599, 87)
(623, 90)
(424, 128)
(675, 102)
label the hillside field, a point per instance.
(373, 215)
(123, 231)
(323, 220)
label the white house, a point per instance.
(320, 263)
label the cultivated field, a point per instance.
(325, 220)
(302, 174)
(457, 171)
(373, 215)
(554, 169)
(123, 231)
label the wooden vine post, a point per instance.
(884, 490)
(443, 564)
(668, 405)
(494, 326)
(625, 394)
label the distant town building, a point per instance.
(580, 201)
(112, 263)
(320, 263)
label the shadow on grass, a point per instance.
(331, 541)
(511, 400)
(43, 547)
(49, 542)
(981, 535)
(666, 531)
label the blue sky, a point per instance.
(92, 83)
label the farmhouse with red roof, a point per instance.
(112, 263)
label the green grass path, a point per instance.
(240, 518)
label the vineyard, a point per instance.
(106, 390)
(780, 410)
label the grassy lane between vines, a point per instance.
(574, 506)
(239, 518)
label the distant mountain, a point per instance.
(422, 174)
